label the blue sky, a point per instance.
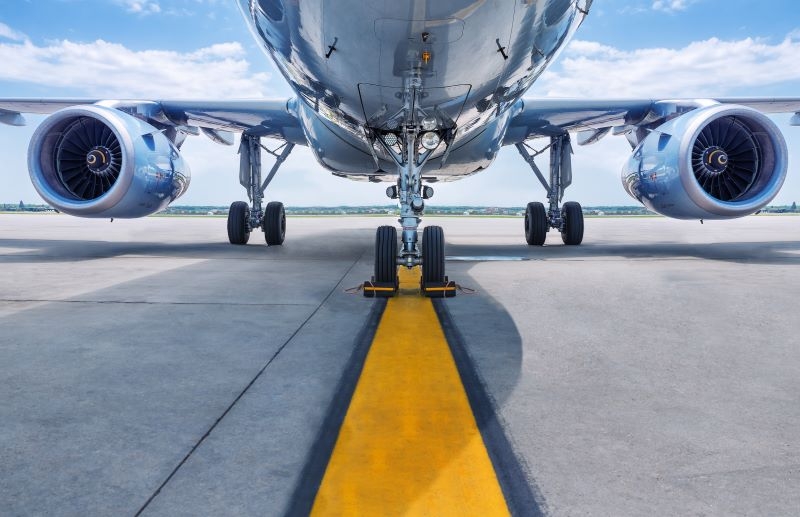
(201, 48)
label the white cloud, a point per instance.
(712, 67)
(109, 70)
(671, 6)
(141, 6)
(633, 9)
(168, 7)
(7, 32)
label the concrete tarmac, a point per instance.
(148, 366)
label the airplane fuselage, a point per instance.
(349, 61)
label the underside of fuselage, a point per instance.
(350, 63)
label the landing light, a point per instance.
(430, 140)
(429, 123)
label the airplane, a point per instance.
(412, 93)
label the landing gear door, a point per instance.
(384, 105)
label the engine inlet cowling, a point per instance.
(718, 162)
(88, 158)
(94, 161)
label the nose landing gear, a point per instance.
(414, 137)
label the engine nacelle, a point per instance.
(717, 162)
(94, 161)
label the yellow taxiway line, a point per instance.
(409, 443)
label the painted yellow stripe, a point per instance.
(409, 444)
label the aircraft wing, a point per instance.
(593, 119)
(217, 119)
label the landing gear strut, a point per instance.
(243, 219)
(414, 138)
(567, 219)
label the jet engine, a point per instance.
(95, 161)
(716, 162)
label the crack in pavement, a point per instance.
(246, 389)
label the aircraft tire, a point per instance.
(274, 224)
(572, 214)
(238, 214)
(432, 254)
(386, 254)
(535, 224)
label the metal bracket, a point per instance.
(279, 159)
(448, 142)
(371, 139)
(523, 148)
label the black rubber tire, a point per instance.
(572, 214)
(238, 232)
(432, 254)
(386, 254)
(274, 223)
(536, 225)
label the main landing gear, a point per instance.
(567, 219)
(244, 218)
(414, 136)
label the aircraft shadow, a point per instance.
(51, 250)
(768, 252)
